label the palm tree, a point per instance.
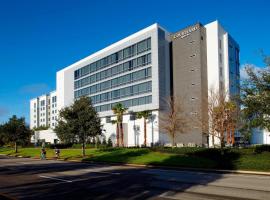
(119, 110)
(145, 115)
(117, 131)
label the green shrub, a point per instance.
(94, 141)
(110, 144)
(104, 142)
(79, 146)
(60, 146)
(177, 150)
(98, 142)
(262, 148)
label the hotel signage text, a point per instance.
(185, 33)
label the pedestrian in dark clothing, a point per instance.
(43, 154)
(57, 152)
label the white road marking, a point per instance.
(59, 179)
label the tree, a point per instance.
(255, 96)
(231, 113)
(173, 119)
(119, 110)
(223, 117)
(16, 131)
(109, 142)
(78, 122)
(104, 142)
(40, 128)
(2, 136)
(145, 115)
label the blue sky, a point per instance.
(38, 38)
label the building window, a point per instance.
(114, 58)
(127, 66)
(108, 120)
(220, 58)
(122, 80)
(42, 103)
(54, 99)
(220, 44)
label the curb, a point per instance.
(183, 168)
(157, 167)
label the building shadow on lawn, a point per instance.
(201, 158)
(224, 159)
(119, 155)
(210, 158)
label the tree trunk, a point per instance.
(16, 148)
(83, 149)
(117, 134)
(232, 136)
(213, 140)
(144, 132)
(228, 135)
(173, 140)
(122, 134)
(222, 143)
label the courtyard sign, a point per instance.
(185, 33)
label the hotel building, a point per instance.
(141, 71)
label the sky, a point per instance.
(40, 37)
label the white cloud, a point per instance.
(243, 73)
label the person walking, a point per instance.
(57, 152)
(43, 154)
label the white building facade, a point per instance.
(137, 72)
(128, 72)
(43, 114)
(222, 60)
(222, 63)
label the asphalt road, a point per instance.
(23, 178)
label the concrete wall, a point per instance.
(47, 135)
(134, 130)
(190, 80)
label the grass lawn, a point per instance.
(244, 159)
